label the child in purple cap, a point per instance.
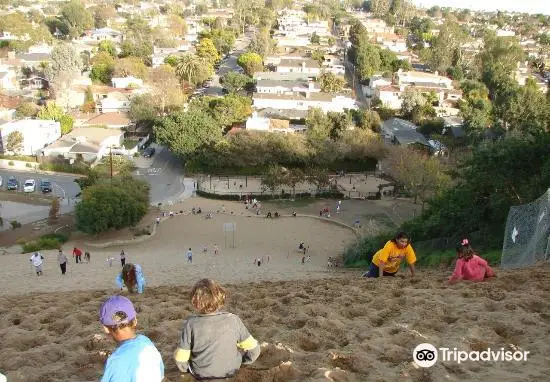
(136, 359)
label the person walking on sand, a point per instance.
(77, 253)
(62, 260)
(387, 260)
(216, 249)
(189, 256)
(469, 266)
(37, 260)
(122, 258)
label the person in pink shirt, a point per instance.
(469, 266)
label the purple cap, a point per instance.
(113, 305)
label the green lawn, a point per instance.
(130, 143)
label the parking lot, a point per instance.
(62, 186)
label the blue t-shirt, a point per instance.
(135, 360)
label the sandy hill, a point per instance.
(341, 328)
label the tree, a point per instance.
(234, 82)
(105, 206)
(177, 25)
(77, 17)
(367, 58)
(89, 104)
(107, 46)
(26, 110)
(193, 70)
(315, 39)
(206, 50)
(185, 132)
(445, 50)
(103, 68)
(318, 126)
(130, 66)
(224, 40)
(166, 89)
(318, 56)
(423, 176)
(14, 142)
(272, 178)
(358, 34)
(262, 43)
(65, 64)
(102, 15)
(53, 112)
(143, 110)
(331, 83)
(529, 111)
(380, 8)
(54, 211)
(411, 100)
(224, 110)
(250, 62)
(367, 120)
(137, 40)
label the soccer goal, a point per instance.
(527, 234)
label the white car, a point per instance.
(29, 186)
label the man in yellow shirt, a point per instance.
(387, 260)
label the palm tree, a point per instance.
(193, 69)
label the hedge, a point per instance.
(298, 195)
(49, 241)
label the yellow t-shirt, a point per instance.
(392, 256)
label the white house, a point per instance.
(306, 65)
(376, 81)
(392, 42)
(41, 48)
(37, 133)
(113, 102)
(424, 79)
(104, 34)
(254, 122)
(89, 143)
(126, 82)
(389, 95)
(285, 87)
(304, 101)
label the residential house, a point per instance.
(254, 122)
(376, 81)
(40, 48)
(413, 78)
(111, 120)
(389, 95)
(126, 82)
(37, 133)
(287, 76)
(112, 101)
(400, 132)
(33, 60)
(306, 65)
(87, 143)
(453, 126)
(103, 34)
(376, 26)
(34, 82)
(292, 41)
(160, 54)
(304, 101)
(391, 42)
(286, 87)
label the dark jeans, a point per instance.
(78, 258)
(63, 268)
(122, 261)
(374, 271)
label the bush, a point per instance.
(49, 241)
(15, 224)
(364, 249)
(10, 163)
(28, 165)
(64, 167)
(24, 158)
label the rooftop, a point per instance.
(296, 63)
(323, 97)
(109, 119)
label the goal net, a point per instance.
(527, 234)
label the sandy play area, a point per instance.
(316, 323)
(340, 329)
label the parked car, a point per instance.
(13, 184)
(46, 186)
(149, 152)
(1, 181)
(29, 186)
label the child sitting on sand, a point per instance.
(469, 266)
(213, 344)
(135, 358)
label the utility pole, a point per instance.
(111, 162)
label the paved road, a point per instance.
(163, 172)
(228, 65)
(63, 185)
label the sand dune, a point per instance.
(342, 328)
